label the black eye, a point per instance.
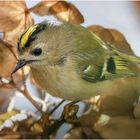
(37, 51)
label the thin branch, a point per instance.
(51, 112)
(27, 95)
(16, 85)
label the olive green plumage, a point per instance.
(71, 62)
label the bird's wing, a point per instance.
(102, 64)
(112, 67)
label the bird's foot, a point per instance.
(69, 114)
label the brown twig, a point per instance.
(51, 112)
(27, 95)
(13, 82)
(53, 128)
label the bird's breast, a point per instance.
(64, 82)
(58, 81)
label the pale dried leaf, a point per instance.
(37, 127)
(62, 10)
(113, 37)
(10, 14)
(102, 33)
(13, 36)
(103, 119)
(42, 8)
(25, 21)
(7, 115)
(120, 41)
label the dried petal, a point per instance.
(13, 36)
(62, 10)
(113, 37)
(10, 14)
(18, 13)
(42, 8)
(7, 115)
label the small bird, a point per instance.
(71, 62)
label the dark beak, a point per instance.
(21, 63)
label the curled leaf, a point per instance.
(42, 8)
(13, 36)
(113, 37)
(10, 14)
(14, 20)
(62, 10)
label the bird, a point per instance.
(71, 62)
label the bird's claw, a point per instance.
(70, 112)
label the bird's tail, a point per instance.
(129, 58)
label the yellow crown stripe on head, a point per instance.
(27, 34)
